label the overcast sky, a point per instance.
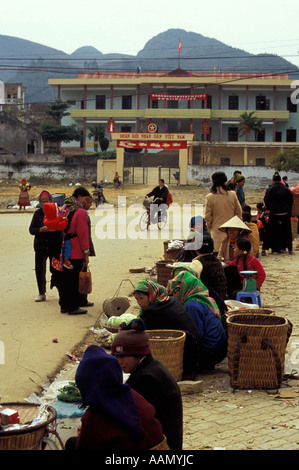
(256, 26)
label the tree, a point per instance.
(286, 160)
(98, 135)
(58, 133)
(249, 123)
(58, 110)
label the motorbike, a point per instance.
(98, 194)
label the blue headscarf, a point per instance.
(100, 381)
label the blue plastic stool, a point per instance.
(255, 296)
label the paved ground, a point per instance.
(218, 418)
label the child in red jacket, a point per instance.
(245, 262)
(54, 221)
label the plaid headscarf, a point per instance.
(156, 292)
(70, 205)
(45, 196)
(191, 288)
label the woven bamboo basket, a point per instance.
(26, 438)
(168, 347)
(256, 350)
(249, 311)
(163, 272)
(295, 207)
(170, 254)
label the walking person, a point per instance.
(278, 201)
(221, 205)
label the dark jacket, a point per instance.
(98, 432)
(49, 243)
(155, 383)
(172, 315)
(278, 199)
(213, 275)
(160, 192)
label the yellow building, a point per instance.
(193, 116)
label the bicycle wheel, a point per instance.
(144, 221)
(162, 221)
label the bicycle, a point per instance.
(118, 184)
(153, 215)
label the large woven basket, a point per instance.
(171, 254)
(26, 438)
(163, 272)
(168, 347)
(256, 350)
(250, 311)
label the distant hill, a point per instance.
(27, 62)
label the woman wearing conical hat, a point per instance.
(234, 229)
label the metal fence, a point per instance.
(151, 175)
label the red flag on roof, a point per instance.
(180, 46)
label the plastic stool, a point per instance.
(255, 296)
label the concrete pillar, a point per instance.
(245, 156)
(183, 164)
(190, 155)
(120, 162)
(100, 170)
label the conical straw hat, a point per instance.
(234, 222)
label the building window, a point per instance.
(233, 134)
(126, 102)
(291, 135)
(225, 161)
(260, 136)
(155, 103)
(233, 102)
(260, 161)
(125, 128)
(100, 102)
(172, 104)
(261, 103)
(291, 107)
(209, 102)
(278, 136)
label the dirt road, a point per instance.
(35, 337)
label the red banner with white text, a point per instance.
(138, 144)
(165, 96)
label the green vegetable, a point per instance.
(114, 321)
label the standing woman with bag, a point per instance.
(70, 300)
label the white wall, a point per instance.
(198, 174)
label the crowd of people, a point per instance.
(145, 412)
